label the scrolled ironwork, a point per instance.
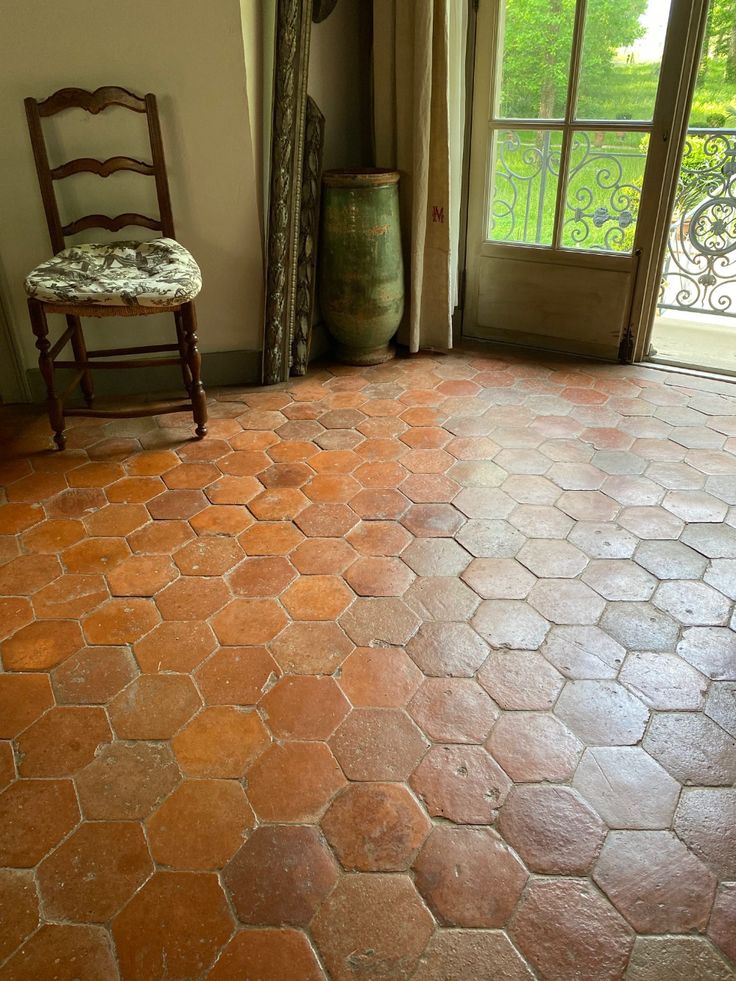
(600, 202)
(699, 273)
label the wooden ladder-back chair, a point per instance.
(113, 279)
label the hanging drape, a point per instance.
(419, 113)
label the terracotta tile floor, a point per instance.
(421, 671)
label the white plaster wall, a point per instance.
(191, 54)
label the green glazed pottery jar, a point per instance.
(361, 270)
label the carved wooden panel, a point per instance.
(308, 237)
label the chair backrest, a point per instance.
(95, 102)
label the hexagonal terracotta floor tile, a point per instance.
(436, 557)
(311, 647)
(469, 877)
(244, 622)
(453, 710)
(511, 623)
(270, 538)
(374, 920)
(317, 598)
(36, 815)
(160, 537)
(566, 601)
(293, 782)
(210, 556)
(84, 950)
(154, 706)
(711, 650)
(201, 825)
(236, 676)
(23, 698)
(280, 876)
(126, 781)
(520, 680)
(655, 882)
(668, 957)
(304, 708)
(175, 646)
(552, 828)
(220, 742)
(322, 556)
(627, 787)
(192, 598)
(141, 575)
(120, 621)
(566, 928)
(379, 576)
(471, 954)
(27, 574)
(378, 744)
(552, 558)
(722, 926)
(463, 784)
(706, 822)
(691, 748)
(534, 746)
(375, 827)
(285, 954)
(379, 677)
(379, 620)
(499, 579)
(15, 612)
(441, 598)
(583, 652)
(19, 903)
(95, 872)
(266, 575)
(180, 919)
(442, 649)
(70, 596)
(326, 520)
(62, 741)
(42, 645)
(602, 713)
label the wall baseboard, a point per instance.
(218, 368)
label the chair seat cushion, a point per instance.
(145, 274)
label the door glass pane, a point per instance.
(535, 39)
(603, 190)
(621, 57)
(525, 168)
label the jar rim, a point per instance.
(360, 177)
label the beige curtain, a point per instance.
(419, 112)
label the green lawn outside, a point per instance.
(611, 160)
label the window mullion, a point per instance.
(572, 95)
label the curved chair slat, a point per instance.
(111, 224)
(94, 102)
(103, 168)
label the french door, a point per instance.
(579, 109)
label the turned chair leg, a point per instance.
(185, 373)
(194, 364)
(54, 404)
(80, 356)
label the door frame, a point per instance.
(646, 289)
(677, 83)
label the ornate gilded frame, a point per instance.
(292, 228)
(293, 28)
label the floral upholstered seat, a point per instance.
(142, 274)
